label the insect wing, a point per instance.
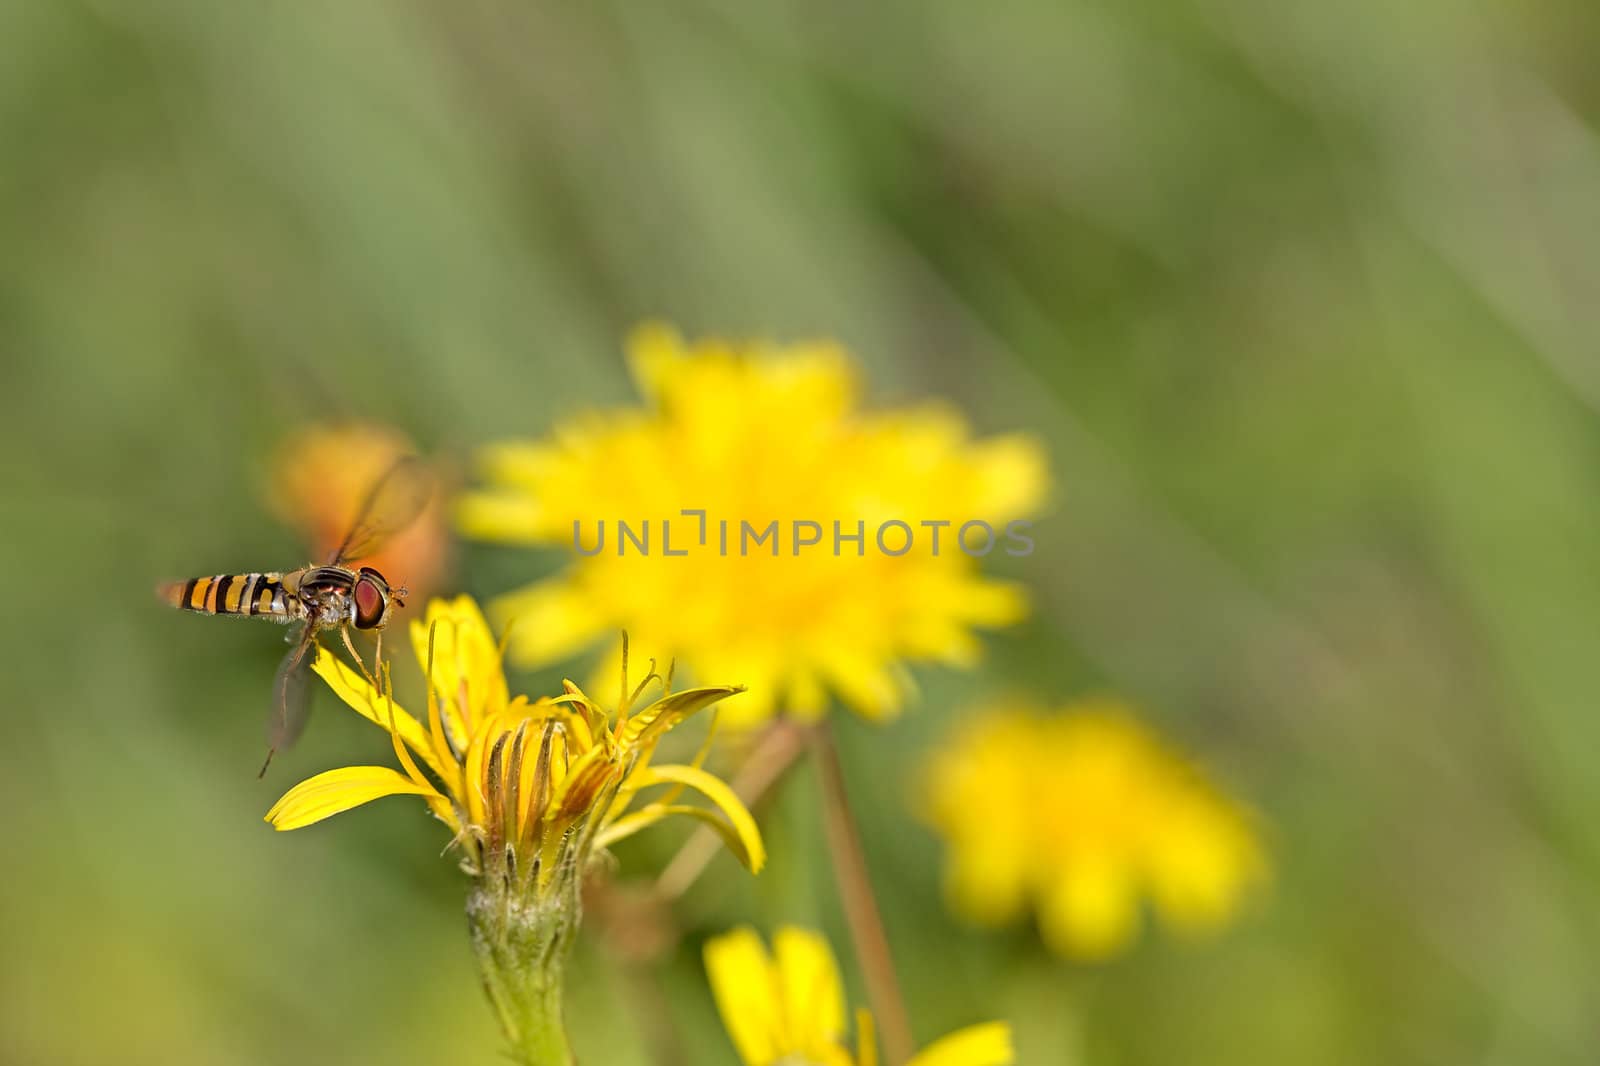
(392, 504)
(291, 696)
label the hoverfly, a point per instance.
(317, 598)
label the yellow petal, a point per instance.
(1092, 911)
(697, 762)
(466, 657)
(1205, 863)
(807, 697)
(629, 824)
(359, 695)
(329, 793)
(578, 773)
(444, 746)
(644, 817)
(654, 350)
(813, 1000)
(668, 711)
(744, 986)
(986, 874)
(1013, 475)
(992, 604)
(508, 516)
(406, 761)
(864, 681)
(988, 1044)
(866, 1038)
(549, 620)
(755, 707)
(752, 852)
(520, 463)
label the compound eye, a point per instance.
(370, 603)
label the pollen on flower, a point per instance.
(753, 520)
(1084, 816)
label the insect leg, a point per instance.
(349, 646)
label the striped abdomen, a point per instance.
(252, 594)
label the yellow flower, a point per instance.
(787, 1009)
(531, 790)
(1084, 814)
(528, 788)
(745, 436)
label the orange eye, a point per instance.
(370, 603)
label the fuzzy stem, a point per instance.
(860, 905)
(522, 947)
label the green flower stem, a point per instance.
(522, 947)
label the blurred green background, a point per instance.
(1304, 299)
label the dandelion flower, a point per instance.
(530, 790)
(825, 547)
(1084, 815)
(787, 1008)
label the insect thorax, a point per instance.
(323, 595)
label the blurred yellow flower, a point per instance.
(787, 1008)
(823, 545)
(1085, 814)
(320, 476)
